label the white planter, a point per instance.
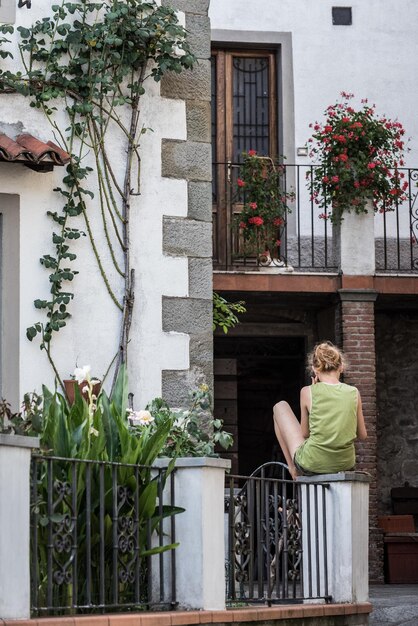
(355, 243)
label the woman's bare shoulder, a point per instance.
(305, 392)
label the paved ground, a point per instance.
(394, 605)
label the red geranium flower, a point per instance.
(240, 182)
(252, 152)
(257, 220)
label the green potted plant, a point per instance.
(359, 154)
(262, 219)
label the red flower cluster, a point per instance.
(359, 156)
(256, 220)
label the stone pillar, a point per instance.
(199, 485)
(191, 236)
(346, 506)
(15, 455)
(355, 243)
(358, 341)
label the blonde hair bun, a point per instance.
(325, 357)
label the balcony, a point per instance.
(308, 242)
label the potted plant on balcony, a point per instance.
(359, 154)
(262, 219)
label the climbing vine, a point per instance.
(91, 61)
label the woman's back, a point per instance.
(332, 429)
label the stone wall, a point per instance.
(397, 428)
(191, 236)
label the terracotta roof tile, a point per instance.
(31, 151)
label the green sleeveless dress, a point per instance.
(332, 430)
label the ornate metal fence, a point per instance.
(268, 550)
(307, 241)
(97, 539)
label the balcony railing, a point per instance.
(271, 558)
(97, 535)
(308, 240)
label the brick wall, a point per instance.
(357, 324)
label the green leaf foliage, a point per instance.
(224, 312)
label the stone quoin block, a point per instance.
(177, 385)
(200, 201)
(200, 7)
(183, 237)
(198, 116)
(201, 350)
(200, 278)
(186, 315)
(198, 28)
(195, 84)
(186, 159)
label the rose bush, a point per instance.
(359, 155)
(262, 219)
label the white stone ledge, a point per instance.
(19, 441)
(195, 461)
(339, 477)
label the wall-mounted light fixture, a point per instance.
(302, 151)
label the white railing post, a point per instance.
(200, 558)
(15, 455)
(347, 531)
(355, 243)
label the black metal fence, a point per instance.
(276, 551)
(97, 538)
(307, 239)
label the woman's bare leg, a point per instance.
(288, 433)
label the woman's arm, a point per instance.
(305, 407)
(361, 427)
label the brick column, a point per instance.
(357, 326)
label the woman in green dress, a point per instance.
(331, 419)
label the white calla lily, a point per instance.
(82, 373)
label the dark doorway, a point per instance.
(251, 375)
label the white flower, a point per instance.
(181, 420)
(140, 418)
(85, 389)
(94, 431)
(95, 381)
(82, 373)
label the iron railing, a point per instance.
(276, 552)
(308, 241)
(97, 539)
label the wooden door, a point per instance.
(244, 117)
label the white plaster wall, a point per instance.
(92, 334)
(375, 58)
